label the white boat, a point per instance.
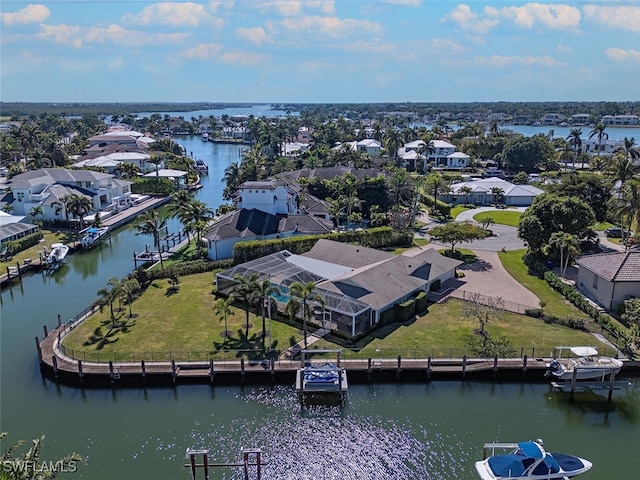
(585, 363)
(529, 461)
(325, 378)
(57, 255)
(93, 236)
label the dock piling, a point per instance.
(242, 372)
(39, 349)
(173, 370)
(464, 366)
(46, 331)
(55, 366)
(211, 370)
(429, 367)
(399, 366)
(80, 373)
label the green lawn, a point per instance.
(443, 332)
(182, 323)
(417, 242)
(49, 237)
(602, 226)
(457, 210)
(556, 304)
(502, 217)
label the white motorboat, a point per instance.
(529, 461)
(585, 363)
(93, 236)
(57, 255)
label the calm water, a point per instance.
(432, 431)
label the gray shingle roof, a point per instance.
(614, 267)
(354, 256)
(243, 223)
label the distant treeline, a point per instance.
(332, 110)
(25, 109)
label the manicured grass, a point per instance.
(182, 323)
(602, 226)
(502, 217)
(49, 237)
(467, 256)
(555, 303)
(457, 210)
(444, 332)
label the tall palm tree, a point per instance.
(130, 290)
(152, 223)
(629, 149)
(80, 205)
(599, 132)
(436, 184)
(246, 293)
(392, 142)
(575, 140)
(109, 294)
(304, 291)
(498, 194)
(466, 191)
(263, 291)
(568, 247)
(627, 206)
(63, 205)
(36, 212)
(222, 308)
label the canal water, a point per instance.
(392, 431)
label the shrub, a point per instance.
(23, 243)
(441, 207)
(387, 316)
(405, 310)
(421, 302)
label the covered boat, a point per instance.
(585, 363)
(57, 255)
(529, 461)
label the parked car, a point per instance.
(616, 232)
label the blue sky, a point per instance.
(319, 51)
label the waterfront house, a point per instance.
(357, 284)
(113, 161)
(275, 196)
(621, 120)
(122, 137)
(13, 227)
(482, 192)
(609, 278)
(46, 186)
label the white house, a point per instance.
(609, 278)
(439, 150)
(621, 120)
(481, 192)
(112, 161)
(458, 160)
(46, 186)
(369, 146)
(271, 196)
(590, 146)
(552, 118)
(129, 138)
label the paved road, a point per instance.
(504, 236)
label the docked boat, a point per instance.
(202, 167)
(57, 255)
(528, 461)
(325, 378)
(205, 136)
(585, 363)
(93, 236)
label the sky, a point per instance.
(323, 51)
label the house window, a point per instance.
(595, 282)
(20, 196)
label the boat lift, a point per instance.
(251, 457)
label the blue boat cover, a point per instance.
(569, 463)
(508, 465)
(530, 449)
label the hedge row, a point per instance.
(570, 322)
(145, 277)
(374, 237)
(15, 246)
(441, 207)
(571, 294)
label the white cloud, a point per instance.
(255, 35)
(564, 48)
(468, 20)
(327, 27)
(204, 51)
(366, 47)
(621, 55)
(501, 61)
(226, 4)
(614, 17)
(554, 16)
(445, 45)
(28, 14)
(292, 8)
(173, 14)
(115, 64)
(242, 58)
(113, 34)
(403, 3)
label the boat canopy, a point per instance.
(584, 351)
(531, 449)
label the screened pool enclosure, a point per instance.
(336, 311)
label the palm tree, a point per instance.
(498, 194)
(29, 466)
(392, 142)
(575, 141)
(109, 294)
(436, 185)
(152, 223)
(222, 308)
(400, 186)
(564, 242)
(80, 205)
(627, 207)
(599, 132)
(36, 212)
(246, 293)
(622, 168)
(304, 291)
(63, 205)
(263, 292)
(130, 290)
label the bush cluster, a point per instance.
(374, 238)
(443, 208)
(15, 246)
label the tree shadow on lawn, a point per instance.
(477, 266)
(113, 328)
(242, 345)
(379, 333)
